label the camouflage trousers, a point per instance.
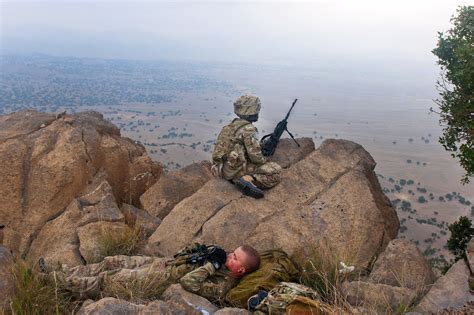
(266, 175)
(116, 272)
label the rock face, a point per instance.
(450, 292)
(58, 240)
(402, 265)
(138, 217)
(288, 153)
(398, 277)
(384, 299)
(110, 305)
(47, 162)
(173, 187)
(7, 286)
(90, 237)
(176, 301)
(330, 198)
(176, 293)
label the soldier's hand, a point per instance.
(217, 257)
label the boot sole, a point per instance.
(249, 189)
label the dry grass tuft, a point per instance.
(127, 243)
(139, 290)
(37, 293)
(320, 271)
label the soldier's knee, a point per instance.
(268, 175)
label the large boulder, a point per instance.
(7, 284)
(177, 295)
(402, 264)
(330, 198)
(140, 218)
(58, 240)
(382, 298)
(449, 292)
(288, 152)
(232, 311)
(110, 305)
(93, 236)
(174, 306)
(173, 187)
(48, 160)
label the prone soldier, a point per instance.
(237, 155)
(218, 273)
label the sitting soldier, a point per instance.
(237, 155)
(205, 270)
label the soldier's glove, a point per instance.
(217, 256)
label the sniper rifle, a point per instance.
(269, 142)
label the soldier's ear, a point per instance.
(242, 271)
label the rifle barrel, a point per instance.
(292, 105)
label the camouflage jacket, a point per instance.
(209, 283)
(247, 138)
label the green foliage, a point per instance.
(422, 199)
(461, 233)
(456, 87)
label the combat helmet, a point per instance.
(247, 107)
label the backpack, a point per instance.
(275, 267)
(292, 298)
(226, 140)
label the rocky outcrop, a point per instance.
(382, 298)
(288, 152)
(175, 301)
(173, 187)
(330, 198)
(110, 305)
(91, 238)
(403, 265)
(140, 218)
(450, 292)
(7, 285)
(399, 276)
(73, 237)
(176, 292)
(48, 161)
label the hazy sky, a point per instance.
(385, 33)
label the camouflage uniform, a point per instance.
(245, 153)
(89, 280)
(209, 283)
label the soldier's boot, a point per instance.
(245, 184)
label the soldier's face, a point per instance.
(235, 261)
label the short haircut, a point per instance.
(252, 261)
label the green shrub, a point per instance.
(461, 233)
